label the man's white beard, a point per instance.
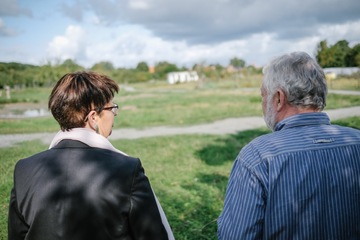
(270, 115)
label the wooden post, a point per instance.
(7, 90)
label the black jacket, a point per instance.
(74, 191)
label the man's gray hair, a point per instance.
(300, 77)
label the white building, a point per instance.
(334, 72)
(180, 77)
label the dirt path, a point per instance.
(226, 126)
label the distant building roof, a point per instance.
(151, 69)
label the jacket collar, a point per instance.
(303, 119)
(68, 143)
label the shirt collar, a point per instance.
(303, 119)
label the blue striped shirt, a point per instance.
(300, 182)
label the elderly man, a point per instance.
(302, 181)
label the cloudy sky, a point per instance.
(183, 32)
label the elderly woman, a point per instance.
(83, 187)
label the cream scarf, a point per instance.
(92, 139)
(87, 136)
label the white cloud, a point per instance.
(130, 47)
(70, 45)
(349, 31)
(201, 21)
(138, 4)
(181, 32)
(125, 47)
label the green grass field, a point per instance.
(158, 104)
(189, 173)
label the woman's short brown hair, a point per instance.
(76, 94)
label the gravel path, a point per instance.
(226, 126)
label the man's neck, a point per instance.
(290, 110)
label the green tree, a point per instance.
(333, 56)
(163, 68)
(323, 55)
(340, 49)
(71, 66)
(352, 59)
(142, 67)
(219, 67)
(17, 74)
(237, 62)
(103, 66)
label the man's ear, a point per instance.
(281, 100)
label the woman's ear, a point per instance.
(91, 120)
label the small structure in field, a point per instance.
(180, 77)
(332, 73)
(7, 90)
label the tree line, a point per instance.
(338, 55)
(25, 75)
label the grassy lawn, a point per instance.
(189, 175)
(158, 104)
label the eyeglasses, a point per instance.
(114, 109)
